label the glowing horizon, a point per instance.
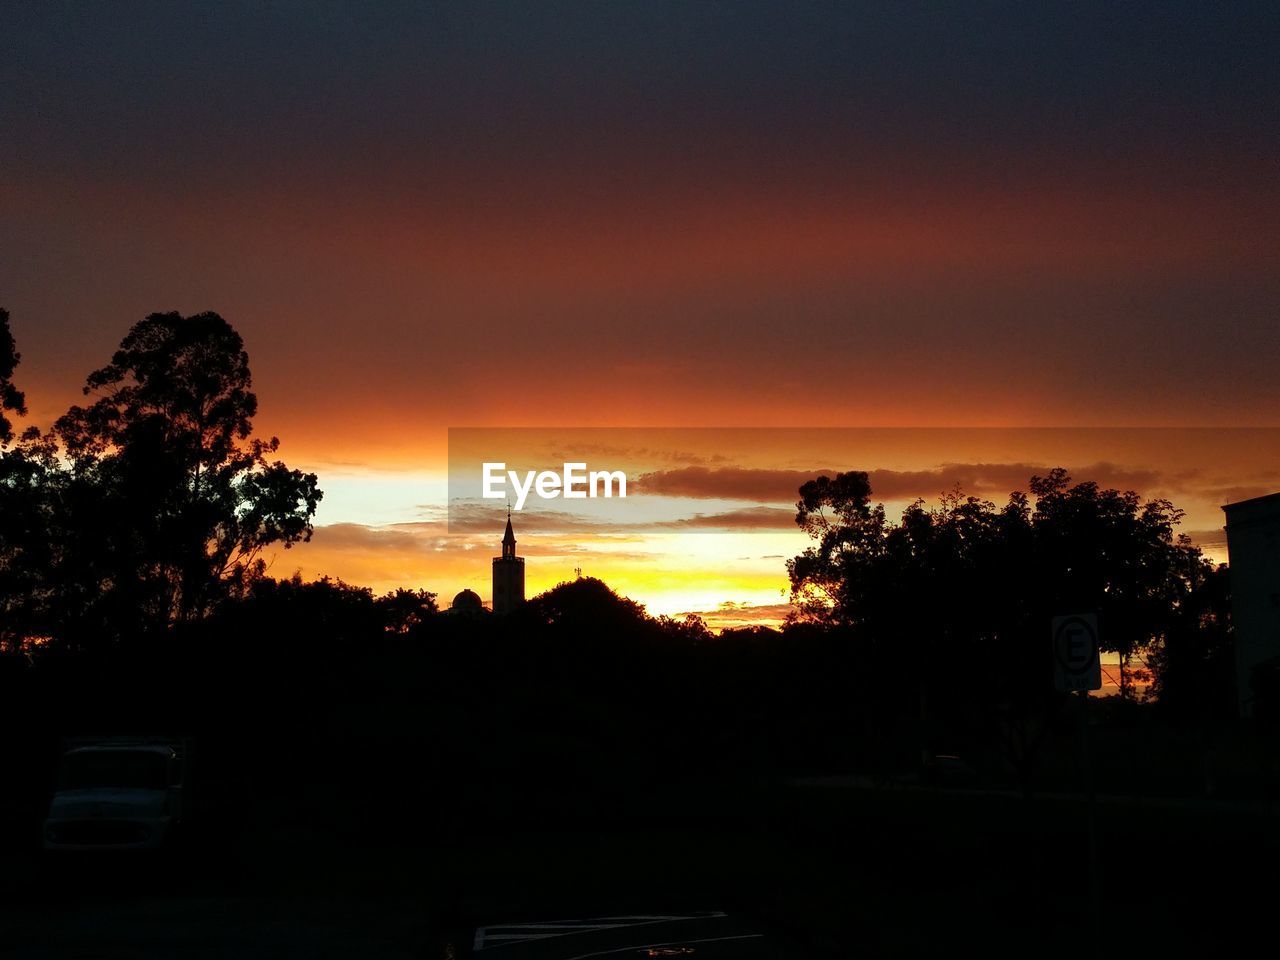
(387, 529)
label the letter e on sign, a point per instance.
(1075, 653)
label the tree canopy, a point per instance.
(952, 604)
(154, 501)
(11, 398)
(967, 566)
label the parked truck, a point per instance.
(119, 793)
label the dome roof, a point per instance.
(468, 601)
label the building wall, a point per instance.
(508, 583)
(1253, 545)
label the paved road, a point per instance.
(158, 928)
(257, 929)
(698, 935)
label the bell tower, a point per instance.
(508, 574)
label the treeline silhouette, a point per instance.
(133, 598)
(956, 601)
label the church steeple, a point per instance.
(508, 573)
(509, 538)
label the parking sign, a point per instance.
(1075, 653)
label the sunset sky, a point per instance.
(666, 215)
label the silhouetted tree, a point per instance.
(11, 398)
(1107, 551)
(849, 531)
(585, 604)
(690, 628)
(24, 503)
(953, 603)
(180, 499)
(32, 498)
(754, 634)
(965, 565)
(406, 611)
(1193, 665)
(317, 619)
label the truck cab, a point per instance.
(118, 793)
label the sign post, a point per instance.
(1077, 669)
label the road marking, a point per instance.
(670, 943)
(502, 934)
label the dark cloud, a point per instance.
(1234, 493)
(624, 454)
(751, 518)
(726, 483)
(979, 479)
(360, 537)
(424, 537)
(466, 517)
(947, 202)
